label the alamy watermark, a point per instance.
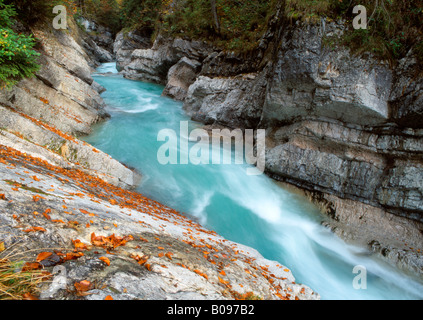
(360, 280)
(207, 149)
(60, 21)
(360, 21)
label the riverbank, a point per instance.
(151, 251)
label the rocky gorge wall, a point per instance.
(345, 128)
(42, 116)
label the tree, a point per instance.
(215, 16)
(17, 56)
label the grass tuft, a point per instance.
(16, 284)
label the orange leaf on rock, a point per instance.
(43, 255)
(45, 214)
(108, 298)
(111, 242)
(73, 256)
(30, 266)
(222, 281)
(105, 260)
(82, 287)
(35, 229)
(79, 245)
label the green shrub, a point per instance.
(394, 26)
(32, 11)
(104, 12)
(17, 56)
(141, 15)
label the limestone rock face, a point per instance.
(99, 53)
(310, 81)
(63, 93)
(100, 39)
(407, 95)
(372, 167)
(41, 115)
(30, 136)
(65, 50)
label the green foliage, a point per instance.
(241, 22)
(32, 11)
(7, 12)
(17, 56)
(308, 10)
(142, 15)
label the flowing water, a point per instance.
(252, 210)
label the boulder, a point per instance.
(180, 78)
(125, 44)
(233, 102)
